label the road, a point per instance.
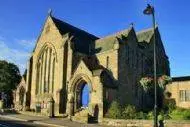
(14, 123)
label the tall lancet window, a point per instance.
(41, 75)
(45, 71)
(53, 75)
(49, 68)
(107, 62)
(37, 77)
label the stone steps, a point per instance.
(81, 116)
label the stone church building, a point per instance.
(78, 72)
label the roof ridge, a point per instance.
(72, 26)
(115, 34)
(181, 78)
(146, 30)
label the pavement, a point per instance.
(4, 122)
(44, 121)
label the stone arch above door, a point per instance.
(75, 91)
(79, 78)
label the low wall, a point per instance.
(143, 123)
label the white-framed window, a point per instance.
(184, 95)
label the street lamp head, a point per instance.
(149, 10)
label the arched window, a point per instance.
(45, 71)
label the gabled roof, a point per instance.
(64, 27)
(107, 43)
(145, 35)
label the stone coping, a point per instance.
(143, 123)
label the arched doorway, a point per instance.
(82, 96)
(85, 95)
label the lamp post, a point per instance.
(150, 11)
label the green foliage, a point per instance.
(9, 76)
(171, 106)
(164, 80)
(141, 115)
(146, 83)
(180, 114)
(114, 111)
(129, 112)
(150, 115)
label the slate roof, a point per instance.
(183, 78)
(85, 42)
(145, 35)
(107, 42)
(82, 39)
(66, 27)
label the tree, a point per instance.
(148, 86)
(163, 81)
(147, 82)
(9, 78)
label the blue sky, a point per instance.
(21, 22)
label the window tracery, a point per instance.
(45, 71)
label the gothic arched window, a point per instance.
(45, 71)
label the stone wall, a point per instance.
(143, 123)
(174, 88)
(50, 40)
(109, 60)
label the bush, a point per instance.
(171, 106)
(129, 112)
(180, 114)
(114, 111)
(150, 115)
(141, 115)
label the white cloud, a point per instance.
(26, 43)
(18, 57)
